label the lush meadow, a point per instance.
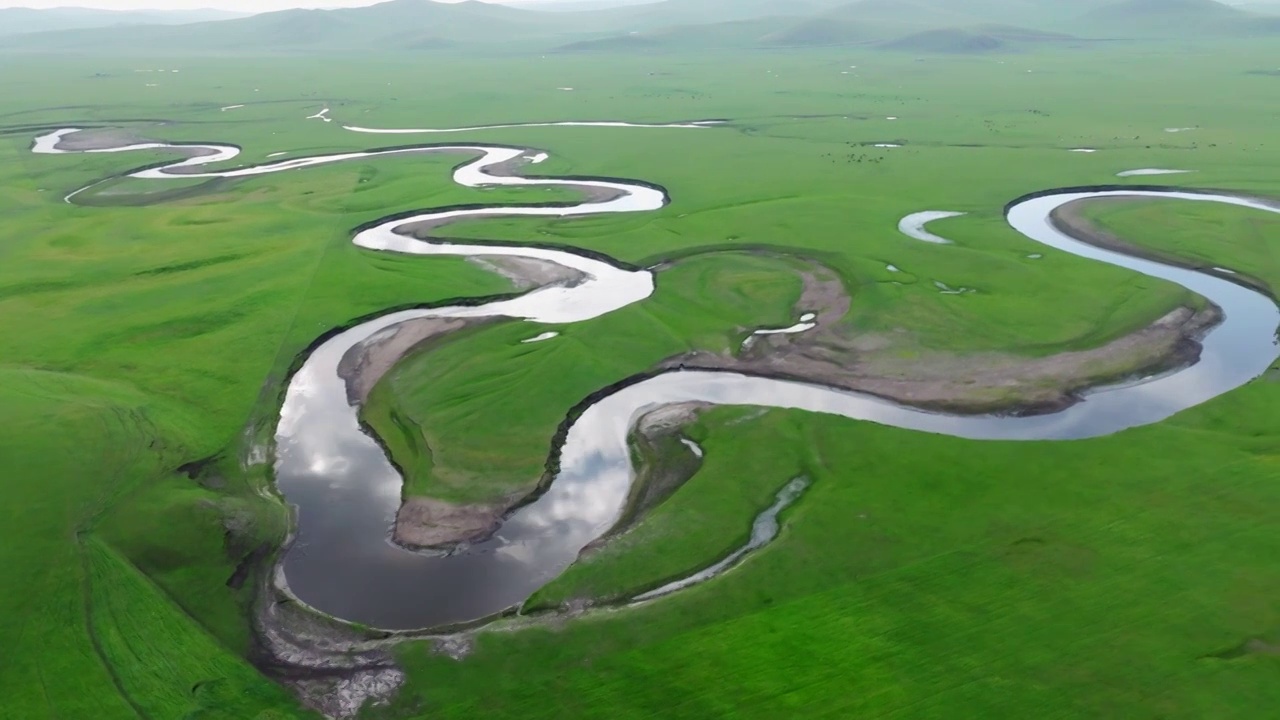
(919, 576)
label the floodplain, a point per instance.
(152, 328)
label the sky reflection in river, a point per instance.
(347, 492)
(540, 540)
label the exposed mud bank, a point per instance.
(367, 363)
(102, 139)
(333, 668)
(504, 508)
(347, 491)
(976, 384)
(1071, 219)
(832, 354)
(529, 273)
(666, 461)
(425, 523)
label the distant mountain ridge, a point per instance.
(1175, 18)
(15, 21)
(397, 24)
(573, 5)
(925, 26)
(960, 26)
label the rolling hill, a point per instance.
(615, 43)
(947, 26)
(902, 14)
(1172, 18)
(883, 20)
(861, 22)
(1264, 8)
(15, 21)
(823, 31)
(976, 40)
(953, 41)
(676, 13)
(732, 34)
(573, 5)
(394, 25)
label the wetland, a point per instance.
(575, 403)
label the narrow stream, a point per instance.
(914, 225)
(763, 531)
(347, 492)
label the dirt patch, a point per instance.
(833, 354)
(1252, 646)
(668, 419)
(528, 273)
(332, 668)
(823, 295)
(1258, 646)
(367, 363)
(423, 522)
(99, 139)
(109, 138)
(666, 461)
(427, 523)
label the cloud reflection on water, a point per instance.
(347, 492)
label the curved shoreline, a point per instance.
(691, 125)
(321, 447)
(564, 437)
(1070, 220)
(915, 225)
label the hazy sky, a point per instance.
(245, 5)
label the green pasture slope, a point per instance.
(919, 576)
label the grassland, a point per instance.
(992, 580)
(700, 305)
(685, 535)
(1093, 578)
(839, 204)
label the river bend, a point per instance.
(347, 492)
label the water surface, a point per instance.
(347, 492)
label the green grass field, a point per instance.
(919, 577)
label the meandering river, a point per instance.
(347, 491)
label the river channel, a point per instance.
(346, 491)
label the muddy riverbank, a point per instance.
(366, 363)
(1073, 220)
(835, 354)
(831, 353)
(346, 491)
